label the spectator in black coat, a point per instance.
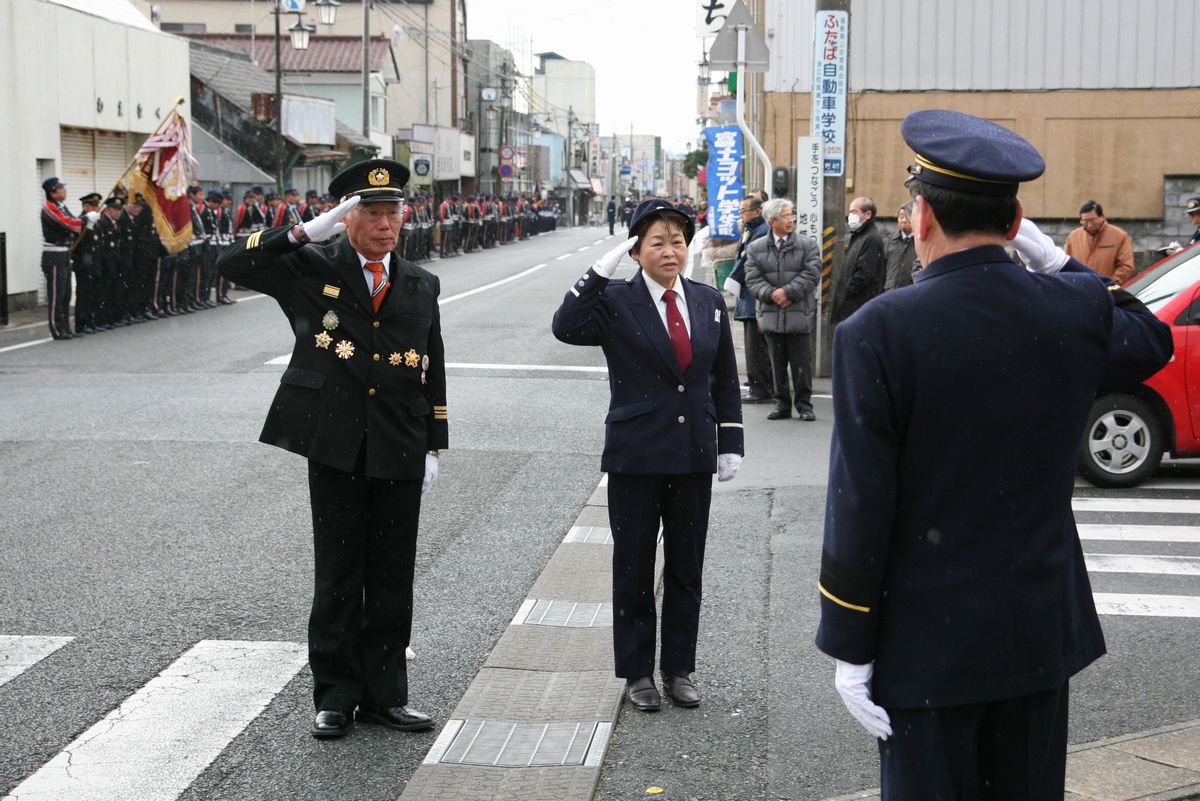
(864, 269)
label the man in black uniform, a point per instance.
(147, 248)
(611, 213)
(84, 259)
(364, 399)
(59, 229)
(109, 312)
(953, 590)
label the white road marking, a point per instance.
(1142, 563)
(284, 359)
(1144, 505)
(1112, 603)
(564, 256)
(494, 284)
(580, 250)
(598, 241)
(551, 368)
(20, 652)
(1088, 531)
(29, 344)
(155, 744)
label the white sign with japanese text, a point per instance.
(710, 16)
(810, 187)
(830, 78)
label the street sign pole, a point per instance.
(741, 108)
(833, 250)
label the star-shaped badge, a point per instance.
(330, 320)
(345, 349)
(323, 340)
(394, 360)
(412, 358)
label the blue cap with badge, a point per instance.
(655, 208)
(969, 154)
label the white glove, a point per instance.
(607, 265)
(431, 471)
(1174, 247)
(1037, 250)
(728, 465)
(330, 224)
(853, 683)
(92, 218)
(732, 287)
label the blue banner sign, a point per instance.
(725, 189)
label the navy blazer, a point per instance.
(951, 556)
(660, 421)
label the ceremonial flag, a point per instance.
(165, 169)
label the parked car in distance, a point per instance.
(1128, 432)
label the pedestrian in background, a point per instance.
(1101, 245)
(957, 617)
(674, 419)
(782, 271)
(611, 213)
(865, 265)
(760, 385)
(364, 400)
(901, 251)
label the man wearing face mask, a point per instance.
(865, 265)
(957, 617)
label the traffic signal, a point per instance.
(781, 182)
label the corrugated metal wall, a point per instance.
(980, 45)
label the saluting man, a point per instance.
(953, 590)
(364, 399)
(675, 418)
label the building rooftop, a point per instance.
(324, 53)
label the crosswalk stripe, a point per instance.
(1142, 563)
(19, 652)
(1096, 531)
(1184, 506)
(155, 744)
(1112, 603)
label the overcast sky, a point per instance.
(645, 53)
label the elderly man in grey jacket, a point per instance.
(782, 272)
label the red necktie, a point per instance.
(379, 287)
(679, 335)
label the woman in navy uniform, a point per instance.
(364, 399)
(953, 590)
(674, 419)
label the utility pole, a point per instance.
(278, 106)
(833, 214)
(366, 69)
(570, 187)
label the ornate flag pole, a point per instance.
(164, 171)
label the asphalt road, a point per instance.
(141, 516)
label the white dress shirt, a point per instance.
(656, 294)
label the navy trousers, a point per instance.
(1011, 750)
(636, 505)
(365, 550)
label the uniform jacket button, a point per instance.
(680, 387)
(371, 392)
(682, 419)
(375, 357)
(375, 324)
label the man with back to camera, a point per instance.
(1101, 245)
(364, 399)
(674, 419)
(957, 617)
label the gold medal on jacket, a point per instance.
(330, 321)
(323, 340)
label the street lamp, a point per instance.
(299, 33)
(326, 11)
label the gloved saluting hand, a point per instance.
(607, 265)
(1037, 250)
(853, 683)
(330, 224)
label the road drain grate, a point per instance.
(589, 535)
(520, 745)
(565, 614)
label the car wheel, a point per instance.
(1122, 444)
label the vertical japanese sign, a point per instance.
(830, 77)
(710, 16)
(725, 190)
(810, 187)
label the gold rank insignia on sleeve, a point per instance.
(441, 413)
(331, 291)
(253, 241)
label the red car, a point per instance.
(1128, 432)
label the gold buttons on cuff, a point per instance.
(680, 387)
(375, 324)
(375, 357)
(682, 419)
(371, 392)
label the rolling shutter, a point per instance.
(78, 163)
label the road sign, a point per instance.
(505, 171)
(723, 53)
(291, 6)
(506, 152)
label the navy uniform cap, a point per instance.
(50, 184)
(214, 196)
(372, 180)
(114, 202)
(969, 154)
(1192, 205)
(92, 199)
(654, 208)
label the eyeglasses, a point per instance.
(390, 214)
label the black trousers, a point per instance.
(791, 351)
(364, 548)
(758, 359)
(636, 504)
(85, 290)
(610, 226)
(1012, 750)
(56, 266)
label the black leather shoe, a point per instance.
(682, 691)
(643, 694)
(330, 723)
(806, 416)
(756, 397)
(400, 718)
(780, 414)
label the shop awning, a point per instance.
(579, 180)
